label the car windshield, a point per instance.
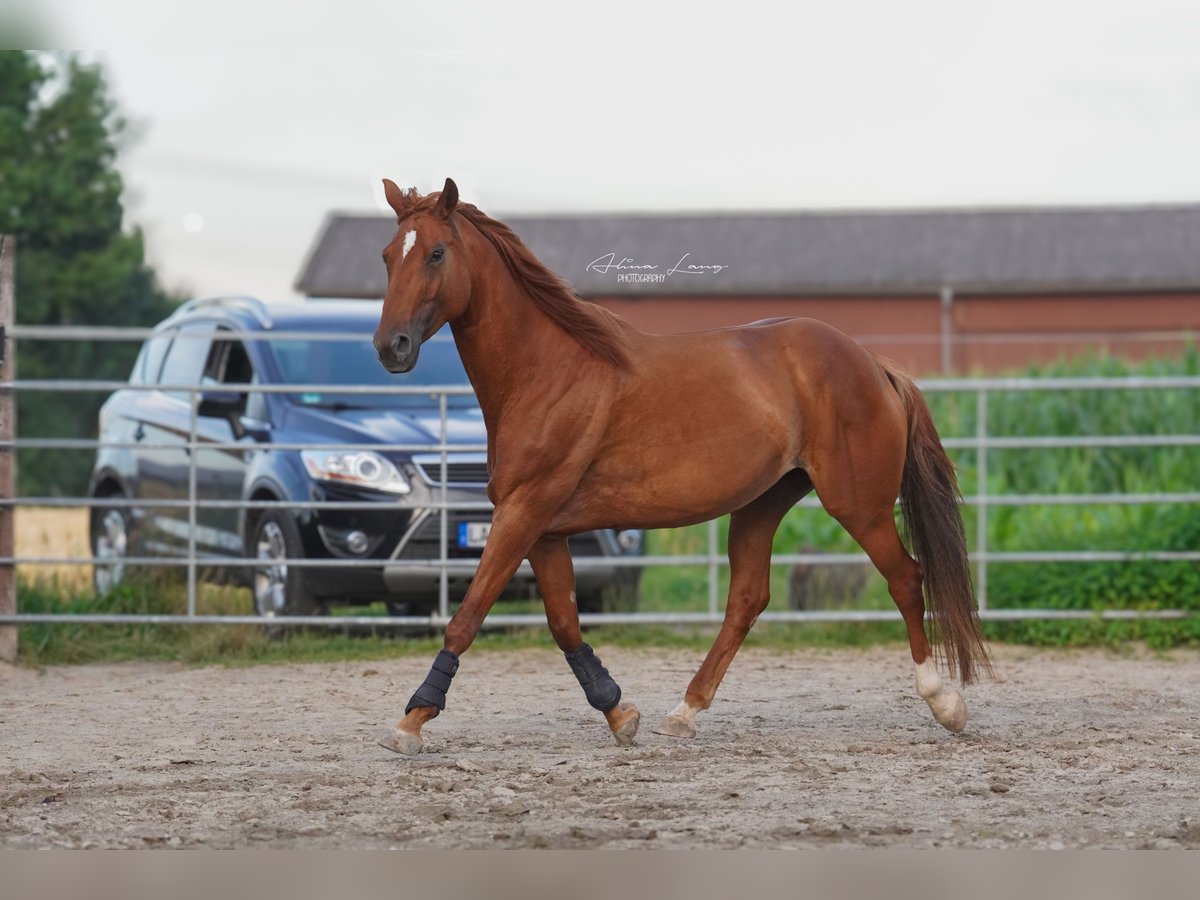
(316, 361)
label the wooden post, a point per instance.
(8, 455)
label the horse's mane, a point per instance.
(597, 330)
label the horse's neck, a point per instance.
(508, 345)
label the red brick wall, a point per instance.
(990, 330)
(1120, 323)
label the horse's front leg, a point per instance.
(515, 526)
(551, 561)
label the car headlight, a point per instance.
(363, 468)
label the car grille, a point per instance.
(425, 543)
(457, 472)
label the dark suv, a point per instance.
(400, 529)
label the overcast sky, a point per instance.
(252, 120)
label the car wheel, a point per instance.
(619, 595)
(111, 539)
(279, 589)
(416, 607)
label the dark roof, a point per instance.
(814, 253)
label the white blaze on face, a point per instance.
(409, 240)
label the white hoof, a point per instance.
(950, 709)
(401, 742)
(676, 726)
(946, 703)
(680, 722)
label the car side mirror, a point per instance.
(231, 406)
(219, 404)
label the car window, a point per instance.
(229, 363)
(150, 359)
(317, 361)
(185, 360)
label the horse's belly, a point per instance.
(666, 493)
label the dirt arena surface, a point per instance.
(804, 749)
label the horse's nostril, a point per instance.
(401, 345)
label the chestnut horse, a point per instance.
(593, 424)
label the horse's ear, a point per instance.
(397, 199)
(448, 200)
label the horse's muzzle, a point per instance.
(397, 352)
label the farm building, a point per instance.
(949, 290)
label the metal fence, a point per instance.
(978, 496)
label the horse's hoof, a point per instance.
(401, 742)
(950, 709)
(626, 724)
(676, 726)
(946, 704)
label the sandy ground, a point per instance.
(807, 749)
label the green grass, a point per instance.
(1132, 585)
(238, 645)
(244, 645)
(76, 643)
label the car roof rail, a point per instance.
(251, 304)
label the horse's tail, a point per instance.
(933, 530)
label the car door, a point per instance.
(163, 462)
(221, 466)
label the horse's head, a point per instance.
(428, 280)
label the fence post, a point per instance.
(714, 571)
(981, 498)
(193, 428)
(8, 432)
(444, 516)
(947, 335)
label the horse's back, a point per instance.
(788, 353)
(709, 420)
(778, 330)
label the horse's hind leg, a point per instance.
(551, 561)
(751, 530)
(873, 526)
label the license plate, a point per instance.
(473, 534)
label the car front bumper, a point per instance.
(409, 553)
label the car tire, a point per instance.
(618, 596)
(417, 607)
(278, 589)
(111, 531)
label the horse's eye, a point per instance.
(437, 254)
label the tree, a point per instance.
(60, 194)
